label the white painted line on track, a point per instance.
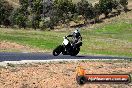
(4, 63)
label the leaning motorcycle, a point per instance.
(67, 48)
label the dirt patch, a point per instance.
(60, 74)
(14, 47)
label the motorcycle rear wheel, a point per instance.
(75, 52)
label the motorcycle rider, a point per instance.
(70, 47)
(76, 37)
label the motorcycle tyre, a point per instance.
(75, 52)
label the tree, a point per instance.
(124, 3)
(5, 11)
(64, 9)
(105, 7)
(97, 11)
(24, 3)
(116, 5)
(19, 18)
(85, 9)
(48, 12)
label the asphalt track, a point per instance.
(44, 56)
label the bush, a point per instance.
(35, 21)
(105, 6)
(18, 18)
(24, 3)
(85, 9)
(64, 9)
(97, 11)
(34, 13)
(5, 11)
(124, 3)
(116, 5)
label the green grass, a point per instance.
(44, 40)
(112, 39)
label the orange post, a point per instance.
(81, 71)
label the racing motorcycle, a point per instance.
(67, 48)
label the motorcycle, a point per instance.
(67, 48)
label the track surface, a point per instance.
(43, 56)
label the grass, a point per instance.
(37, 39)
(112, 39)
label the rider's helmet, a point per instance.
(77, 30)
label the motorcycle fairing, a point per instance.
(65, 42)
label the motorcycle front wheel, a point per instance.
(57, 50)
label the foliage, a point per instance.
(18, 17)
(105, 6)
(97, 11)
(85, 9)
(34, 13)
(5, 11)
(64, 9)
(124, 3)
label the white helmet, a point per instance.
(77, 30)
